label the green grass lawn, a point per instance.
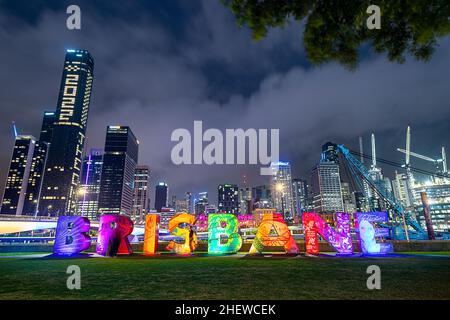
(169, 277)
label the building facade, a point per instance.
(141, 197)
(228, 199)
(161, 196)
(117, 179)
(63, 167)
(89, 189)
(281, 189)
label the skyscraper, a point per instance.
(141, 199)
(62, 173)
(119, 164)
(189, 202)
(281, 188)
(326, 184)
(90, 184)
(47, 126)
(261, 197)
(200, 203)
(161, 196)
(300, 195)
(245, 200)
(228, 201)
(18, 175)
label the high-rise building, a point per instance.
(34, 186)
(200, 203)
(141, 199)
(245, 200)
(47, 126)
(261, 197)
(281, 189)
(119, 164)
(326, 183)
(228, 198)
(63, 167)
(181, 205)
(401, 189)
(189, 202)
(89, 190)
(300, 195)
(161, 196)
(14, 195)
(347, 198)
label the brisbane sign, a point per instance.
(223, 234)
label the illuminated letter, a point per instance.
(71, 235)
(273, 232)
(113, 235)
(151, 234)
(341, 240)
(367, 232)
(188, 236)
(223, 226)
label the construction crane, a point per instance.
(400, 232)
(420, 156)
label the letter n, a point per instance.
(113, 235)
(151, 234)
(71, 235)
(341, 240)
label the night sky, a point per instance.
(160, 65)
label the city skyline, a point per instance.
(269, 94)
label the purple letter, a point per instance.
(71, 235)
(113, 235)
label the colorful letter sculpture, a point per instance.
(223, 226)
(188, 236)
(341, 240)
(367, 232)
(71, 235)
(273, 232)
(113, 235)
(151, 234)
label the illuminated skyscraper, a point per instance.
(63, 168)
(228, 201)
(14, 195)
(326, 184)
(89, 189)
(141, 198)
(47, 126)
(119, 164)
(245, 201)
(300, 195)
(189, 202)
(281, 188)
(200, 203)
(161, 196)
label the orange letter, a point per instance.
(151, 234)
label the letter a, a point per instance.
(374, 21)
(273, 232)
(74, 20)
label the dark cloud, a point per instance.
(159, 67)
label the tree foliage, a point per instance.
(335, 29)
